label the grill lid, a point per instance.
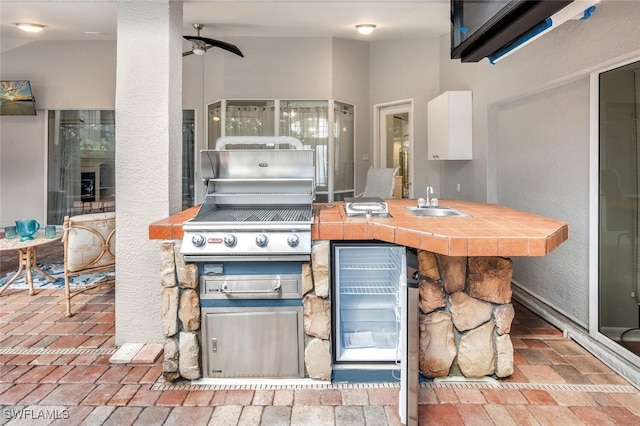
(257, 186)
(264, 177)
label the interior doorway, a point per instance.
(394, 142)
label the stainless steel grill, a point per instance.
(250, 236)
(258, 202)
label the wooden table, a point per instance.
(27, 259)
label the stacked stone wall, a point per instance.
(317, 313)
(180, 314)
(466, 315)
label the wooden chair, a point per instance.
(89, 246)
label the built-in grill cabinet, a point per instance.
(252, 325)
(250, 238)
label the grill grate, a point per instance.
(258, 214)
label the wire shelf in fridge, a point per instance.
(384, 288)
(370, 264)
(357, 318)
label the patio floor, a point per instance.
(56, 370)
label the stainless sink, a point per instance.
(437, 212)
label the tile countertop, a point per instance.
(491, 230)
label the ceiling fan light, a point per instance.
(198, 47)
(30, 28)
(365, 28)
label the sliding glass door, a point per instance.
(619, 180)
(81, 162)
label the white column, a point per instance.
(148, 156)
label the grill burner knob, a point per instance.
(293, 240)
(262, 240)
(230, 240)
(198, 240)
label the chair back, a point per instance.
(89, 242)
(380, 182)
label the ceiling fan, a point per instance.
(199, 45)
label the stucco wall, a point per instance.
(148, 157)
(531, 138)
(404, 69)
(543, 167)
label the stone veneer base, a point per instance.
(464, 325)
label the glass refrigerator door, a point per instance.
(368, 282)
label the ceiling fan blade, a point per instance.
(217, 43)
(187, 53)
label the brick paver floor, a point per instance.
(56, 370)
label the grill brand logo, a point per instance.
(263, 164)
(214, 241)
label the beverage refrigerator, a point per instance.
(369, 281)
(375, 314)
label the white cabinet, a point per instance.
(450, 126)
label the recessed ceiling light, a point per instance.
(30, 28)
(365, 28)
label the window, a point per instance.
(321, 125)
(188, 161)
(81, 162)
(81, 172)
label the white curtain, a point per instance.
(247, 120)
(308, 121)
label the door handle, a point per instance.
(226, 290)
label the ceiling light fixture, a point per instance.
(30, 28)
(365, 28)
(198, 47)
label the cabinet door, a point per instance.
(450, 126)
(253, 342)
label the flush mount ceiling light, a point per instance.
(365, 28)
(30, 28)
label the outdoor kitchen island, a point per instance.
(465, 269)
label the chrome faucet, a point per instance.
(429, 192)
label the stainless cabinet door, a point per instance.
(253, 342)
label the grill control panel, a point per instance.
(246, 243)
